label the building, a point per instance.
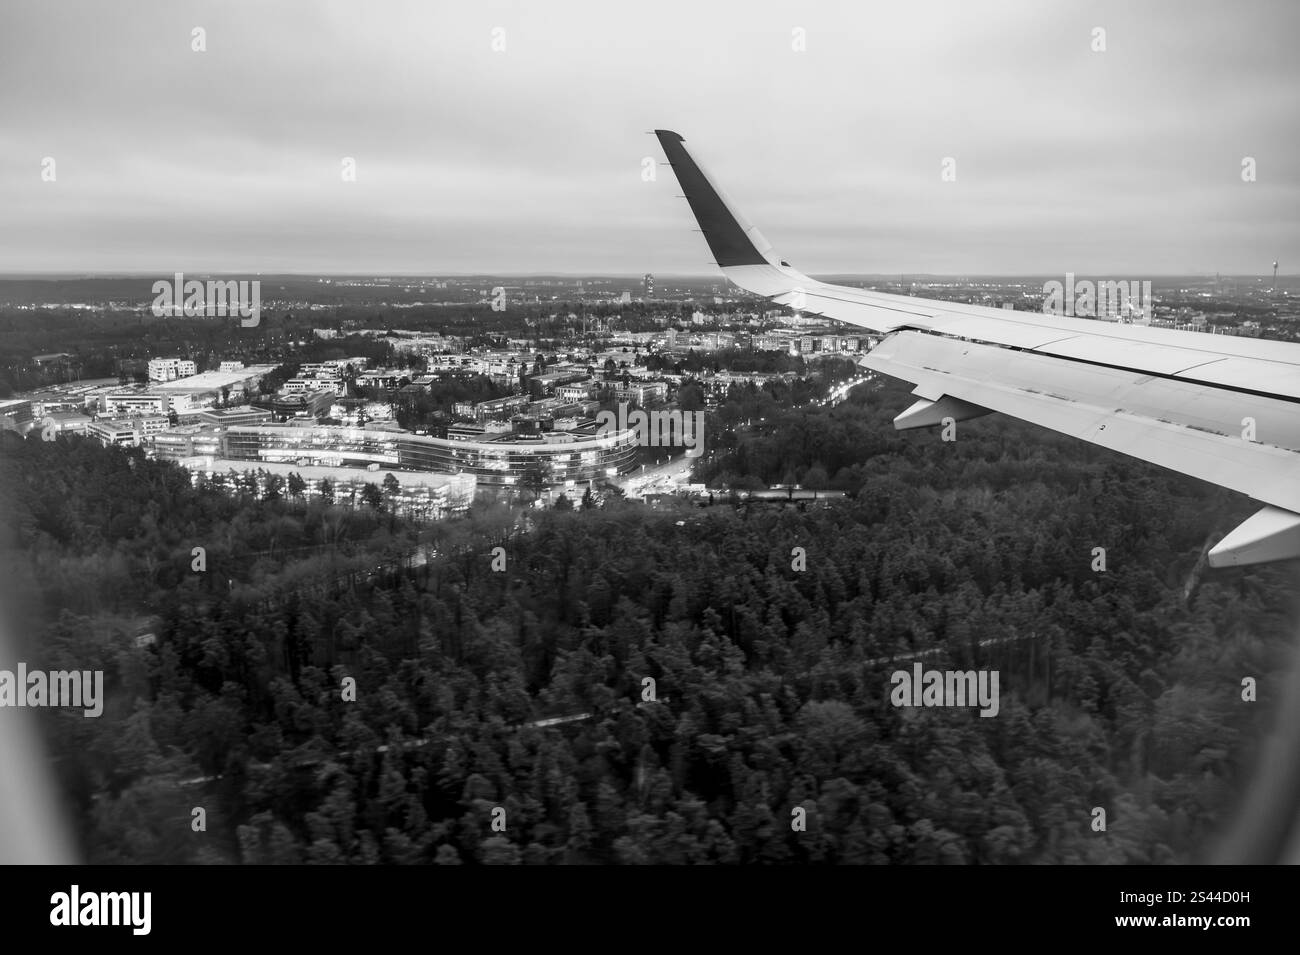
(502, 460)
(499, 407)
(641, 392)
(45, 402)
(772, 341)
(420, 494)
(427, 345)
(151, 424)
(227, 367)
(224, 417)
(321, 369)
(387, 378)
(52, 358)
(300, 385)
(115, 431)
(305, 404)
(170, 369)
(551, 380)
(15, 414)
(212, 386)
(359, 411)
(69, 422)
(178, 444)
(126, 404)
(466, 432)
(578, 391)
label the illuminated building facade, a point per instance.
(558, 456)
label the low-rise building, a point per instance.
(307, 404)
(577, 391)
(124, 404)
(641, 392)
(68, 422)
(177, 444)
(170, 369)
(213, 386)
(317, 383)
(499, 407)
(15, 414)
(151, 424)
(499, 460)
(118, 431)
(389, 378)
(419, 494)
(225, 417)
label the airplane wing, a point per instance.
(1217, 407)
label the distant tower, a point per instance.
(1274, 277)
(649, 285)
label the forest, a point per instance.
(768, 676)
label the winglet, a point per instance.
(731, 238)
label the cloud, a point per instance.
(530, 159)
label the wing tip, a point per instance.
(729, 240)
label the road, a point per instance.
(842, 392)
(658, 479)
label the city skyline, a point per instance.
(529, 159)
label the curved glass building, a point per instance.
(559, 456)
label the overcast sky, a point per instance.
(1122, 163)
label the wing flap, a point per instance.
(1045, 391)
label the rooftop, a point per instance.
(240, 411)
(214, 380)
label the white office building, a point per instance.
(169, 369)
